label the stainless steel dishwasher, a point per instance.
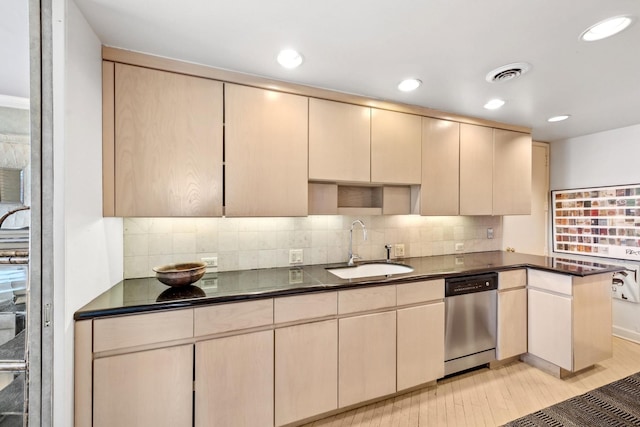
(470, 321)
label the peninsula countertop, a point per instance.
(148, 294)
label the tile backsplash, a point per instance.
(249, 243)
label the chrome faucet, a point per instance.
(352, 256)
(388, 248)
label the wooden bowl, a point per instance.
(180, 274)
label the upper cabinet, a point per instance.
(265, 152)
(439, 192)
(339, 141)
(163, 145)
(476, 170)
(511, 172)
(495, 171)
(352, 143)
(182, 140)
(395, 147)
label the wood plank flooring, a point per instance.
(488, 397)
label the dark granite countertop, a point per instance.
(148, 294)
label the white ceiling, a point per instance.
(367, 46)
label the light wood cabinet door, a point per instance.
(306, 371)
(510, 279)
(168, 144)
(439, 191)
(476, 170)
(549, 328)
(420, 345)
(339, 141)
(265, 152)
(234, 381)
(149, 388)
(512, 323)
(395, 147)
(511, 173)
(366, 357)
(592, 324)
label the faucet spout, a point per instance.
(352, 256)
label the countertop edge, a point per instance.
(320, 287)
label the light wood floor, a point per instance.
(488, 397)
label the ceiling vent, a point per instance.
(508, 72)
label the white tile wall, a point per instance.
(248, 243)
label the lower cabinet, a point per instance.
(570, 319)
(512, 323)
(420, 345)
(512, 314)
(147, 388)
(366, 357)
(550, 328)
(234, 381)
(306, 371)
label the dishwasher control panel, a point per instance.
(470, 284)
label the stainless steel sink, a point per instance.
(370, 270)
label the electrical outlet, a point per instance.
(459, 247)
(489, 233)
(211, 261)
(296, 256)
(398, 250)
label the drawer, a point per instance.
(413, 293)
(304, 307)
(560, 283)
(230, 317)
(141, 329)
(373, 298)
(512, 279)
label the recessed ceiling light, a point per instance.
(408, 85)
(606, 28)
(558, 118)
(494, 104)
(289, 58)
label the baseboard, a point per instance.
(626, 334)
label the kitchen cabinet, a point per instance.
(512, 314)
(439, 192)
(306, 371)
(152, 387)
(366, 344)
(550, 328)
(495, 171)
(511, 173)
(234, 383)
(420, 345)
(146, 388)
(334, 199)
(120, 332)
(162, 143)
(395, 147)
(476, 170)
(266, 152)
(339, 141)
(569, 319)
(420, 329)
(366, 357)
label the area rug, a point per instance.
(615, 404)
